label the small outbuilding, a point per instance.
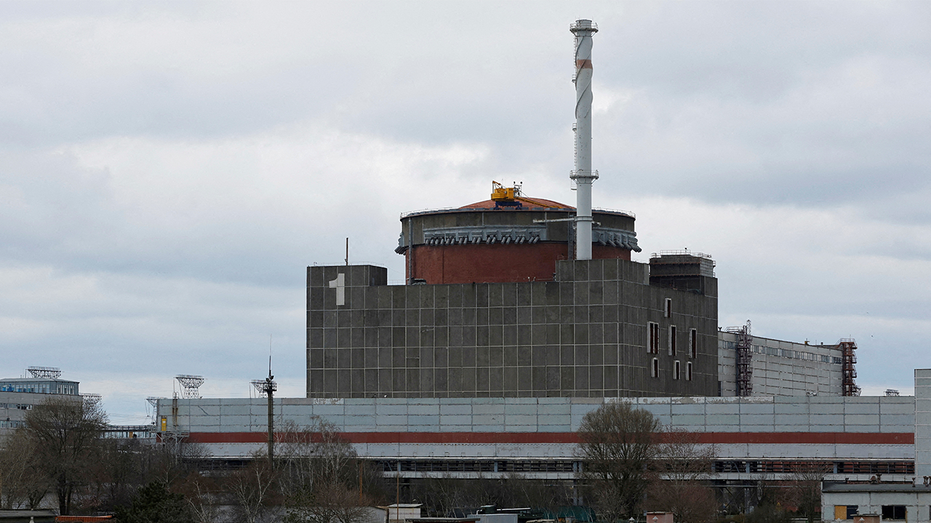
(903, 502)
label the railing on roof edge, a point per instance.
(680, 253)
(476, 209)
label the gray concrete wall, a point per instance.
(15, 405)
(584, 335)
(862, 414)
(788, 419)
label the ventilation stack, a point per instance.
(583, 175)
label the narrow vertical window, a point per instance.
(693, 343)
(654, 368)
(688, 371)
(672, 340)
(667, 308)
(676, 370)
(653, 337)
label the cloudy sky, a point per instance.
(169, 169)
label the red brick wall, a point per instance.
(494, 263)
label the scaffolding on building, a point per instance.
(848, 346)
(744, 359)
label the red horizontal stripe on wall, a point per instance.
(516, 438)
(822, 438)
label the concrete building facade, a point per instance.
(19, 395)
(782, 368)
(602, 328)
(884, 497)
(760, 437)
(904, 502)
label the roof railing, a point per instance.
(479, 209)
(684, 252)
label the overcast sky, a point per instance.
(168, 170)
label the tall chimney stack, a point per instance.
(583, 173)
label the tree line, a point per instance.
(59, 452)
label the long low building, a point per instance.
(753, 437)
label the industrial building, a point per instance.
(599, 329)
(751, 365)
(881, 498)
(517, 297)
(755, 438)
(520, 296)
(518, 316)
(20, 395)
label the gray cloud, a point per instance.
(168, 172)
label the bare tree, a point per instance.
(65, 433)
(441, 495)
(314, 454)
(203, 495)
(254, 490)
(805, 489)
(173, 460)
(18, 463)
(540, 495)
(617, 445)
(115, 474)
(682, 468)
(330, 503)
(322, 478)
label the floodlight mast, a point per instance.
(583, 175)
(268, 388)
(190, 385)
(45, 372)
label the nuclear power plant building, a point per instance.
(496, 310)
(518, 316)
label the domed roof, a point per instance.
(526, 204)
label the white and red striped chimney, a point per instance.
(583, 175)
